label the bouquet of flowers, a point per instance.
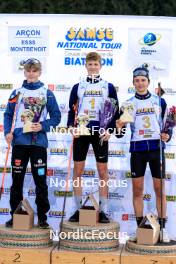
(107, 112)
(170, 119)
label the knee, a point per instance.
(103, 174)
(137, 191)
(78, 172)
(158, 192)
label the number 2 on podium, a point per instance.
(17, 258)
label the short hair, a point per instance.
(33, 63)
(93, 56)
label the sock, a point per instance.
(78, 200)
(162, 222)
(103, 204)
(139, 220)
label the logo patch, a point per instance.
(41, 171)
(17, 162)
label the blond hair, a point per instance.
(33, 64)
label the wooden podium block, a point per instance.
(131, 258)
(25, 256)
(101, 238)
(69, 257)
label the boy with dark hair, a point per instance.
(149, 114)
(29, 139)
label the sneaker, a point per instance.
(103, 218)
(43, 225)
(164, 237)
(9, 223)
(75, 217)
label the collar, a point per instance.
(143, 96)
(94, 79)
(32, 86)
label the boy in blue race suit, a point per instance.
(35, 101)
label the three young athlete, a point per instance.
(147, 139)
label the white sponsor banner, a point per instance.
(68, 38)
(150, 45)
(28, 40)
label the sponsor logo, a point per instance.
(168, 176)
(6, 85)
(171, 198)
(17, 162)
(147, 197)
(1, 128)
(116, 153)
(89, 173)
(6, 191)
(141, 132)
(169, 155)
(58, 151)
(61, 173)
(56, 214)
(145, 111)
(116, 196)
(7, 169)
(131, 90)
(128, 217)
(50, 172)
(59, 87)
(4, 211)
(62, 193)
(78, 40)
(150, 39)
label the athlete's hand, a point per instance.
(120, 124)
(74, 132)
(105, 136)
(36, 127)
(9, 138)
(164, 137)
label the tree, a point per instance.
(107, 7)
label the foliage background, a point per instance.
(104, 7)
